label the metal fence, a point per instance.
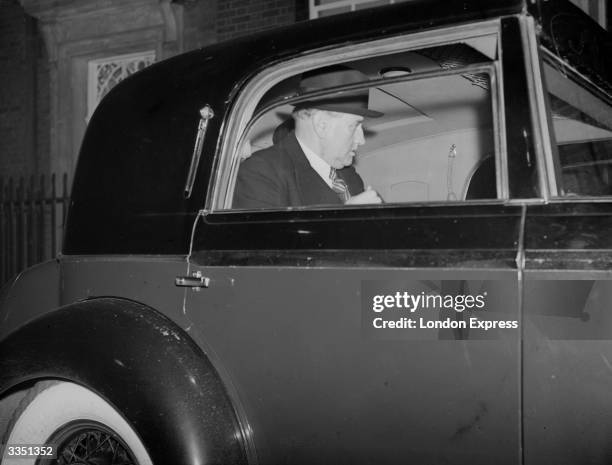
(32, 215)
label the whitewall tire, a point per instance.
(76, 419)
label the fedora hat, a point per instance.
(354, 102)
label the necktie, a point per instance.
(339, 186)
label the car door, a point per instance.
(568, 286)
(305, 311)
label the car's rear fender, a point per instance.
(144, 365)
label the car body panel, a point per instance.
(464, 392)
(567, 332)
(315, 389)
(33, 292)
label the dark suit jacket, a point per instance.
(281, 176)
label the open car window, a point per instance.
(582, 126)
(436, 141)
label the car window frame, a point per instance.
(243, 109)
(552, 60)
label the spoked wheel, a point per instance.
(86, 429)
(89, 443)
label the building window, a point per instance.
(598, 9)
(321, 8)
(105, 73)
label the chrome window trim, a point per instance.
(552, 163)
(226, 158)
(499, 136)
(387, 206)
(539, 114)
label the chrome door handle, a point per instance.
(195, 281)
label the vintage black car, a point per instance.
(176, 328)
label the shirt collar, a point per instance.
(316, 162)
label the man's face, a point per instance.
(341, 140)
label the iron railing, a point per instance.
(32, 215)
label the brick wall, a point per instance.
(199, 24)
(43, 107)
(240, 17)
(15, 77)
(24, 111)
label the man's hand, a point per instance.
(368, 196)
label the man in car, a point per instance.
(312, 165)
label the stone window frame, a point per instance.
(124, 65)
(321, 8)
